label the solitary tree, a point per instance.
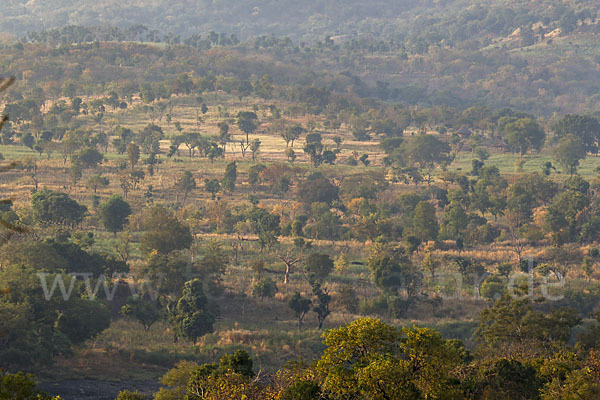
(425, 225)
(224, 136)
(133, 154)
(212, 186)
(191, 140)
(569, 151)
(425, 152)
(321, 307)
(319, 266)
(56, 207)
(247, 122)
(89, 157)
(143, 310)
(300, 305)
(584, 127)
(255, 148)
(524, 134)
(393, 272)
(192, 317)
(96, 181)
(230, 177)
(519, 209)
(185, 184)
(348, 298)
(265, 225)
(265, 288)
(317, 189)
(164, 233)
(114, 214)
(291, 134)
(289, 259)
(314, 148)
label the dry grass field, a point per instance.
(266, 327)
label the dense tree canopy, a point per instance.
(56, 207)
(165, 232)
(114, 213)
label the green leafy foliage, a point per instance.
(165, 233)
(114, 213)
(56, 207)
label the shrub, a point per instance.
(265, 288)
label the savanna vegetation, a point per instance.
(303, 216)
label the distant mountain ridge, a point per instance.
(441, 21)
(541, 57)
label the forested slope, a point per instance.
(430, 20)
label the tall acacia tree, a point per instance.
(291, 133)
(247, 122)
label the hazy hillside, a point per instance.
(315, 199)
(537, 56)
(430, 20)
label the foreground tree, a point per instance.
(34, 338)
(128, 395)
(516, 326)
(232, 378)
(370, 359)
(21, 387)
